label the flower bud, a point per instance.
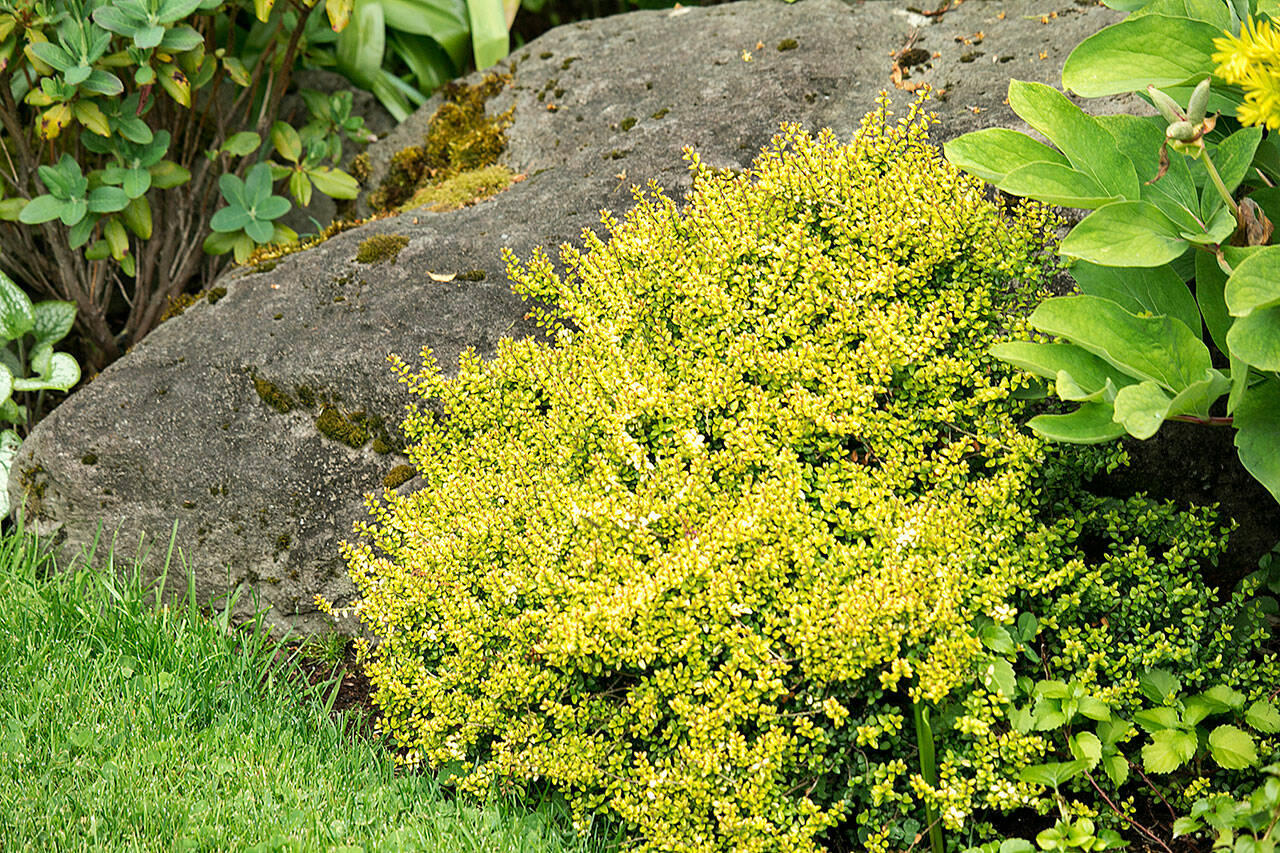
(1182, 131)
(1199, 101)
(1167, 106)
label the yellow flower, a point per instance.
(1251, 60)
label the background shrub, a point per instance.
(700, 557)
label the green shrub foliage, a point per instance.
(694, 556)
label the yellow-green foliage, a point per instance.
(461, 189)
(693, 559)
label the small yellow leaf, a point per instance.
(89, 114)
(339, 12)
(54, 119)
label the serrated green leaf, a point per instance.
(1232, 748)
(1156, 719)
(1158, 685)
(1116, 768)
(1264, 717)
(1086, 747)
(1169, 749)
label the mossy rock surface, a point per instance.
(237, 474)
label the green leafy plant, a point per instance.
(28, 365)
(1248, 825)
(1177, 254)
(116, 114)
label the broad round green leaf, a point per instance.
(108, 200)
(52, 320)
(1125, 234)
(1145, 50)
(1160, 349)
(1141, 408)
(1255, 339)
(1257, 423)
(1156, 290)
(1254, 282)
(259, 230)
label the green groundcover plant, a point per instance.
(1178, 257)
(750, 551)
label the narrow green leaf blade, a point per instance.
(1092, 423)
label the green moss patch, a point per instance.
(461, 189)
(381, 248)
(399, 475)
(273, 395)
(351, 429)
(461, 137)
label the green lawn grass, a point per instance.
(127, 726)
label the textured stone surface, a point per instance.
(177, 431)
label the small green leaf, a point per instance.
(1156, 719)
(17, 315)
(167, 174)
(42, 208)
(241, 144)
(334, 183)
(1232, 748)
(61, 374)
(230, 219)
(1086, 747)
(286, 141)
(1116, 768)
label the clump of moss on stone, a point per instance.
(305, 395)
(399, 475)
(462, 189)
(360, 167)
(460, 137)
(89, 458)
(350, 429)
(382, 446)
(380, 248)
(628, 123)
(214, 295)
(661, 114)
(787, 44)
(471, 275)
(273, 395)
(265, 266)
(183, 301)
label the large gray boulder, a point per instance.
(226, 423)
